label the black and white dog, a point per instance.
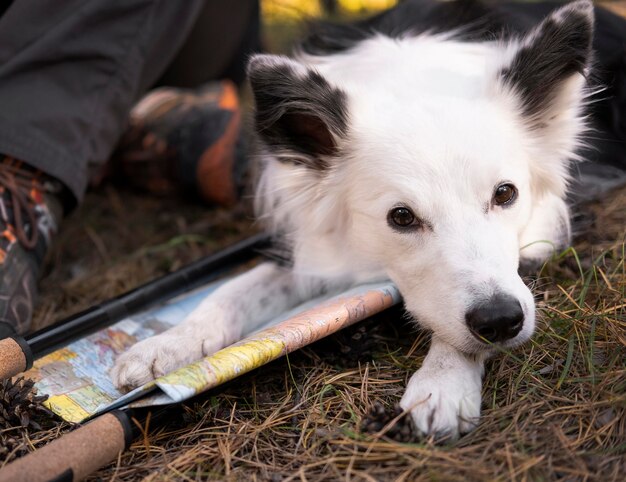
(431, 145)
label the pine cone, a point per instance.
(20, 406)
(378, 417)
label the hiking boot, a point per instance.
(182, 140)
(29, 214)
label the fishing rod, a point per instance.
(81, 452)
(17, 353)
(86, 449)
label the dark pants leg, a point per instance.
(226, 32)
(70, 71)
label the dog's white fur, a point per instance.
(432, 127)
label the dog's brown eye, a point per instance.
(505, 194)
(402, 217)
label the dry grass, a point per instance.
(553, 409)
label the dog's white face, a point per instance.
(431, 161)
(440, 201)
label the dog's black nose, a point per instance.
(498, 319)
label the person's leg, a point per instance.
(226, 32)
(185, 137)
(69, 74)
(185, 142)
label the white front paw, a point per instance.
(193, 339)
(444, 404)
(153, 358)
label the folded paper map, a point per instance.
(76, 377)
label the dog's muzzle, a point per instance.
(498, 319)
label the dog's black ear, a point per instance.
(548, 57)
(299, 115)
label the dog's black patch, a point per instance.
(561, 47)
(295, 112)
(469, 19)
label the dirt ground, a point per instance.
(552, 409)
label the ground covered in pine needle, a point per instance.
(554, 408)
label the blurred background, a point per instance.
(283, 19)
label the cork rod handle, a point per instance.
(74, 456)
(15, 356)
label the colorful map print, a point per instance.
(76, 377)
